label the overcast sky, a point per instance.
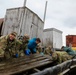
(61, 14)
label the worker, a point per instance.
(59, 56)
(38, 48)
(62, 56)
(68, 50)
(48, 51)
(9, 45)
(33, 44)
(23, 47)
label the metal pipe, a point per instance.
(24, 5)
(45, 11)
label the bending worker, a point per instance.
(33, 44)
(23, 47)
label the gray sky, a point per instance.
(61, 14)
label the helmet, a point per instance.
(13, 33)
(26, 36)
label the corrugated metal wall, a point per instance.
(71, 40)
(22, 20)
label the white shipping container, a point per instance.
(52, 37)
(23, 21)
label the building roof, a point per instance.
(52, 29)
(70, 35)
(26, 8)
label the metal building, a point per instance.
(71, 41)
(23, 21)
(52, 37)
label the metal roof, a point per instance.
(52, 29)
(26, 8)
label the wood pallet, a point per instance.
(18, 65)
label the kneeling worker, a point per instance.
(23, 47)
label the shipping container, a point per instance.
(52, 37)
(23, 21)
(71, 40)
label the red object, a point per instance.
(71, 39)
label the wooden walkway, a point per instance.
(18, 65)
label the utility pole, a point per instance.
(22, 16)
(45, 11)
(24, 3)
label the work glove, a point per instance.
(27, 52)
(16, 55)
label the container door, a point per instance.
(33, 31)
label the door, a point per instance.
(33, 31)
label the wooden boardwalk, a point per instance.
(18, 65)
